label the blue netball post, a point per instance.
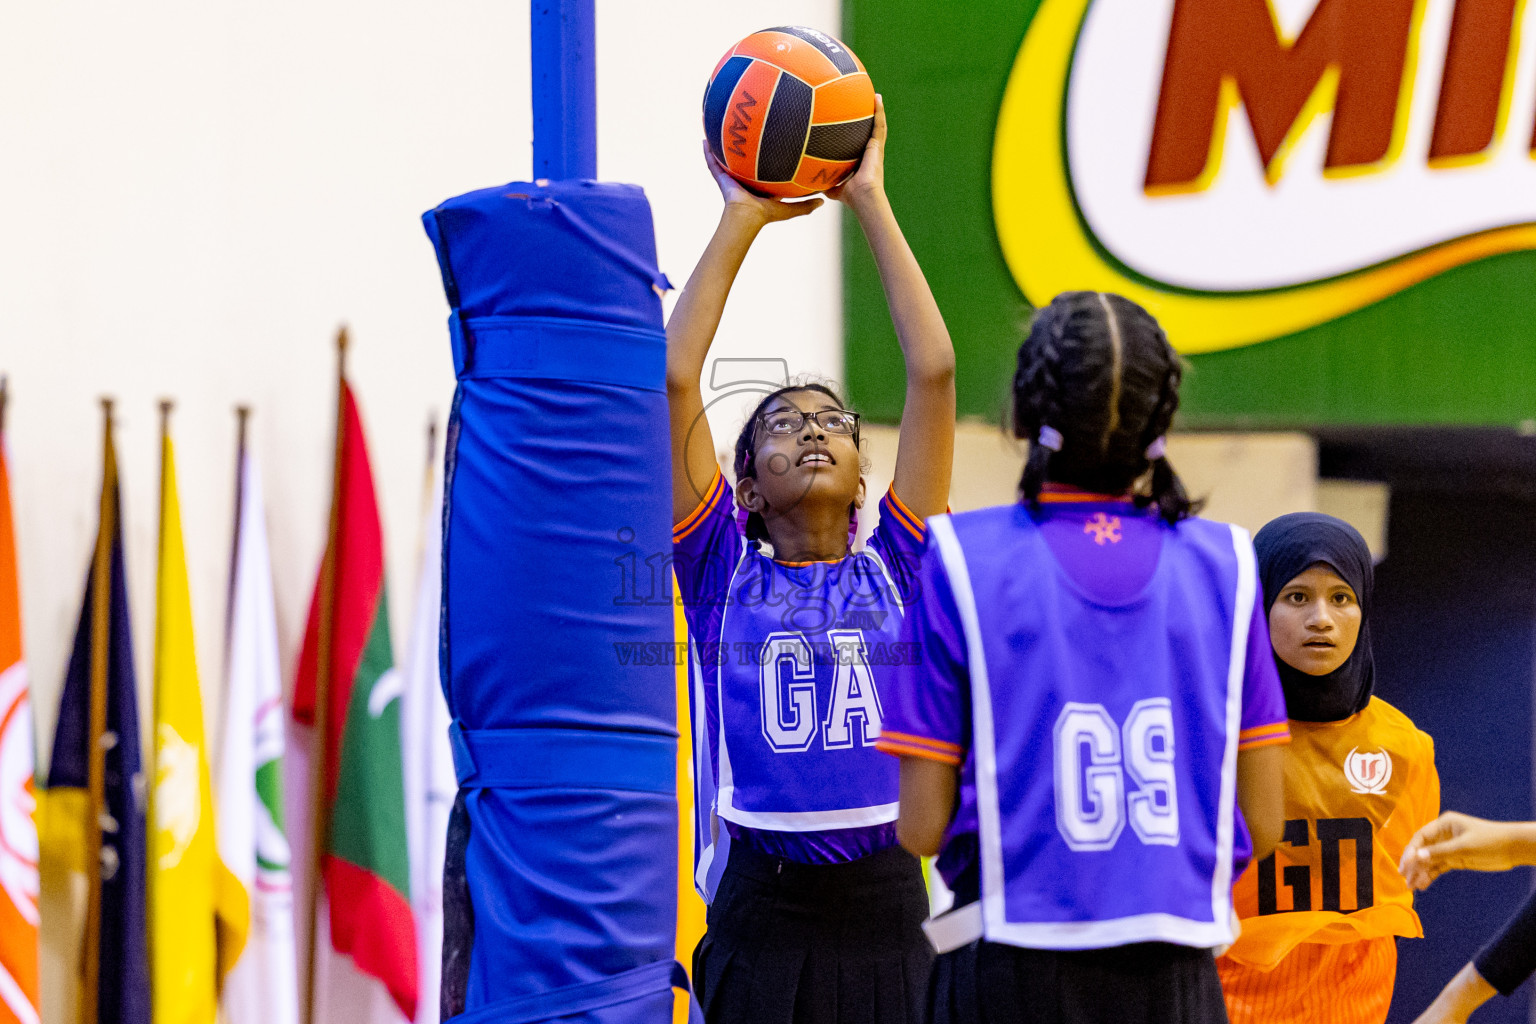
(561, 878)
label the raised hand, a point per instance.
(868, 180)
(762, 209)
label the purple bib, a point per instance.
(801, 649)
(1105, 734)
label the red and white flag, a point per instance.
(18, 833)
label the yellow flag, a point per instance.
(195, 905)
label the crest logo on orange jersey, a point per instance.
(1368, 772)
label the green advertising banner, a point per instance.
(1329, 204)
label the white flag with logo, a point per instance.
(430, 784)
(263, 986)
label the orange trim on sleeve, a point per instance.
(1273, 734)
(915, 526)
(693, 519)
(900, 749)
(922, 741)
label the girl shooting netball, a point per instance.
(817, 913)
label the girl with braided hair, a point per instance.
(1089, 738)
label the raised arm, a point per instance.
(926, 446)
(692, 328)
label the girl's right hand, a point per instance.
(760, 209)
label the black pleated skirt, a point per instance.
(1145, 983)
(790, 943)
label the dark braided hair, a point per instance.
(745, 462)
(1098, 369)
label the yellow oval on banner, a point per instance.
(1049, 249)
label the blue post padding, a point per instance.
(558, 489)
(596, 1001)
(541, 759)
(551, 349)
(564, 55)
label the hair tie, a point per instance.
(1158, 448)
(1049, 438)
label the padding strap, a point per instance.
(661, 976)
(563, 759)
(959, 927)
(552, 348)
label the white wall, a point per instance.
(196, 196)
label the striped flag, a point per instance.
(430, 784)
(91, 815)
(262, 986)
(18, 834)
(196, 907)
(365, 864)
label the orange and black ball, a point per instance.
(788, 111)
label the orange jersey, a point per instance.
(1316, 984)
(1355, 792)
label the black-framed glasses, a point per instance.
(786, 422)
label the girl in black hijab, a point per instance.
(1287, 548)
(1313, 950)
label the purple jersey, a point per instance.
(789, 662)
(1110, 548)
(1066, 576)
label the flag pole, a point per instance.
(5, 393)
(431, 428)
(242, 414)
(320, 817)
(431, 455)
(101, 620)
(166, 405)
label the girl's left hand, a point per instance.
(868, 181)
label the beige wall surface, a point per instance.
(197, 195)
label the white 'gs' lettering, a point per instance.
(1091, 801)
